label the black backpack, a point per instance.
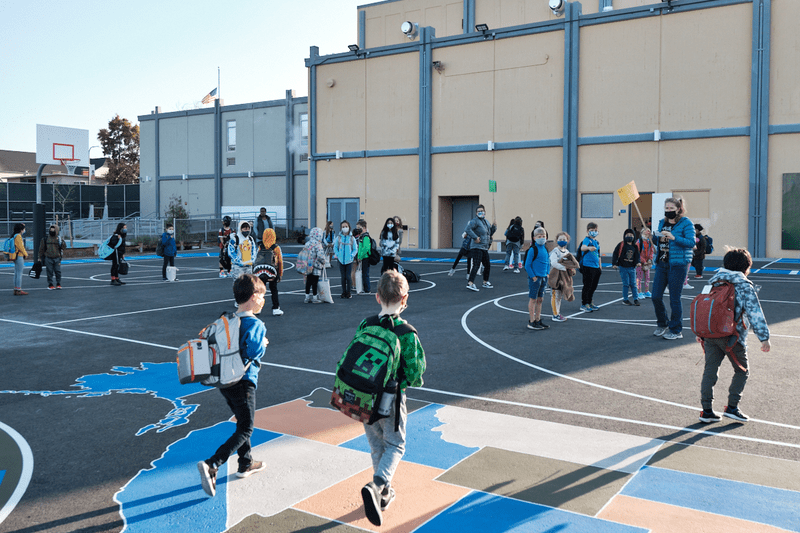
(514, 233)
(525, 255)
(374, 254)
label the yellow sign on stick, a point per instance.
(628, 193)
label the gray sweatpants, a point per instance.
(53, 266)
(387, 445)
(715, 353)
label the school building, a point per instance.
(561, 107)
(228, 159)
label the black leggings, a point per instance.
(479, 257)
(168, 260)
(463, 253)
(311, 283)
(591, 277)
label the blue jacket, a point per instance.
(680, 250)
(252, 334)
(539, 267)
(170, 248)
(590, 259)
(345, 248)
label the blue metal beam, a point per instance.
(312, 132)
(759, 129)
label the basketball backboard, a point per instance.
(56, 146)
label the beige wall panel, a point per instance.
(391, 29)
(383, 20)
(625, 4)
(341, 108)
(393, 102)
(455, 19)
(784, 158)
(720, 166)
(704, 51)
(606, 168)
(343, 178)
(504, 13)
(374, 32)
(529, 186)
(463, 95)
(619, 77)
(436, 18)
(529, 88)
(784, 59)
(401, 200)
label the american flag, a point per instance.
(210, 97)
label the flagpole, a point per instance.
(218, 94)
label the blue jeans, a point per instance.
(19, 265)
(241, 399)
(512, 254)
(672, 275)
(628, 275)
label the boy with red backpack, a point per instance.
(746, 312)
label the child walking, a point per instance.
(242, 251)
(388, 445)
(591, 269)
(345, 249)
(316, 261)
(269, 254)
(736, 266)
(248, 291)
(626, 258)
(563, 266)
(645, 245)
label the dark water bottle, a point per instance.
(387, 398)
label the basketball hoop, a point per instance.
(71, 165)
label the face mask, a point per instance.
(170, 231)
(562, 243)
(481, 215)
(541, 240)
(345, 230)
(593, 234)
(390, 226)
(245, 234)
(53, 232)
(629, 238)
(22, 232)
(671, 214)
(123, 232)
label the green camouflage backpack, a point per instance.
(371, 362)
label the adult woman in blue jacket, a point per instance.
(674, 241)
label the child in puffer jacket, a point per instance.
(316, 260)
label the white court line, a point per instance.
(578, 380)
(227, 300)
(25, 475)
(21, 323)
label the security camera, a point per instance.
(410, 29)
(557, 7)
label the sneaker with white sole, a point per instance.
(255, 466)
(222, 274)
(586, 309)
(472, 287)
(659, 332)
(687, 286)
(308, 299)
(506, 267)
(316, 299)
(372, 503)
(277, 312)
(516, 271)
(534, 325)
(559, 318)
(735, 413)
(542, 325)
(452, 271)
(672, 336)
(208, 478)
(594, 307)
(387, 497)
(709, 416)
(487, 285)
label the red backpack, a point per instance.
(713, 316)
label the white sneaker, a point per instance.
(487, 285)
(277, 312)
(472, 287)
(316, 299)
(516, 271)
(452, 271)
(687, 286)
(506, 267)
(308, 299)
(222, 274)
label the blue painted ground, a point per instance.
(160, 380)
(169, 496)
(767, 505)
(423, 445)
(489, 513)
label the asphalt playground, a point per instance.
(590, 425)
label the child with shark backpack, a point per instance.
(384, 413)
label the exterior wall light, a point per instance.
(353, 47)
(557, 7)
(482, 27)
(410, 29)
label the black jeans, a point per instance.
(591, 277)
(311, 283)
(273, 289)
(241, 399)
(167, 260)
(479, 257)
(463, 253)
(115, 260)
(345, 270)
(365, 274)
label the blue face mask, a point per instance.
(562, 243)
(592, 234)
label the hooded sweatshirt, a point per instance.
(51, 246)
(241, 249)
(316, 253)
(268, 241)
(748, 310)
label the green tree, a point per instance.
(120, 144)
(176, 211)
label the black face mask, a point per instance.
(53, 232)
(245, 233)
(672, 215)
(629, 238)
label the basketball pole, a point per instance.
(38, 214)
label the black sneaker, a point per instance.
(626, 302)
(542, 325)
(372, 499)
(709, 416)
(255, 466)
(387, 497)
(534, 325)
(735, 413)
(208, 478)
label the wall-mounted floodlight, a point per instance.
(557, 7)
(482, 27)
(411, 29)
(353, 47)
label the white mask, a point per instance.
(170, 231)
(390, 226)
(345, 230)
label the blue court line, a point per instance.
(736, 499)
(2, 475)
(489, 513)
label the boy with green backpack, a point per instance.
(385, 355)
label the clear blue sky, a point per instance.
(78, 63)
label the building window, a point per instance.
(304, 126)
(231, 135)
(597, 205)
(231, 161)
